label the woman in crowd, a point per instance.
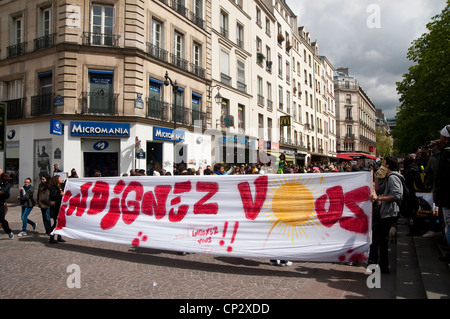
(27, 202)
(43, 201)
(56, 195)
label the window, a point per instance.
(280, 66)
(349, 131)
(157, 36)
(102, 25)
(225, 67)
(45, 22)
(269, 93)
(43, 102)
(224, 24)
(196, 109)
(178, 45)
(101, 93)
(225, 112)
(197, 54)
(349, 113)
(241, 117)
(258, 17)
(240, 35)
(269, 129)
(280, 97)
(198, 8)
(268, 26)
(241, 86)
(260, 126)
(258, 45)
(18, 31)
(260, 91)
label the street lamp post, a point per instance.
(174, 85)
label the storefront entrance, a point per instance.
(107, 164)
(154, 156)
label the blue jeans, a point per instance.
(46, 219)
(25, 212)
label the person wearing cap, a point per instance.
(443, 185)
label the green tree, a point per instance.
(425, 89)
(384, 143)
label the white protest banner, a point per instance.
(305, 217)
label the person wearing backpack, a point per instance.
(392, 194)
(442, 186)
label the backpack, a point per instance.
(407, 204)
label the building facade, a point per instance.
(99, 68)
(355, 116)
(113, 85)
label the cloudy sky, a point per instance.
(370, 37)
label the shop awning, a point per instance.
(352, 156)
(345, 156)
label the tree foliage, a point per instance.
(425, 89)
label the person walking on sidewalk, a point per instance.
(43, 201)
(56, 195)
(392, 193)
(27, 201)
(4, 195)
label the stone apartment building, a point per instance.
(112, 85)
(356, 118)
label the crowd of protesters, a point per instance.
(427, 171)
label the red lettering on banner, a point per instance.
(335, 197)
(112, 216)
(336, 200)
(252, 208)
(200, 207)
(78, 202)
(157, 205)
(129, 216)
(100, 198)
(360, 224)
(179, 188)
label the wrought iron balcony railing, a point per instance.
(99, 102)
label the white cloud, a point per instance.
(348, 35)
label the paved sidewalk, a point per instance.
(32, 268)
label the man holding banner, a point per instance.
(392, 193)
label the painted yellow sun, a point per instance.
(291, 206)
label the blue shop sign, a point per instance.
(166, 134)
(100, 129)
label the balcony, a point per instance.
(15, 109)
(198, 21)
(269, 105)
(157, 52)
(179, 62)
(100, 39)
(158, 110)
(260, 99)
(180, 8)
(197, 70)
(99, 102)
(42, 104)
(199, 116)
(47, 41)
(16, 50)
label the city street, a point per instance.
(33, 268)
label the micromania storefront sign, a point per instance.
(105, 129)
